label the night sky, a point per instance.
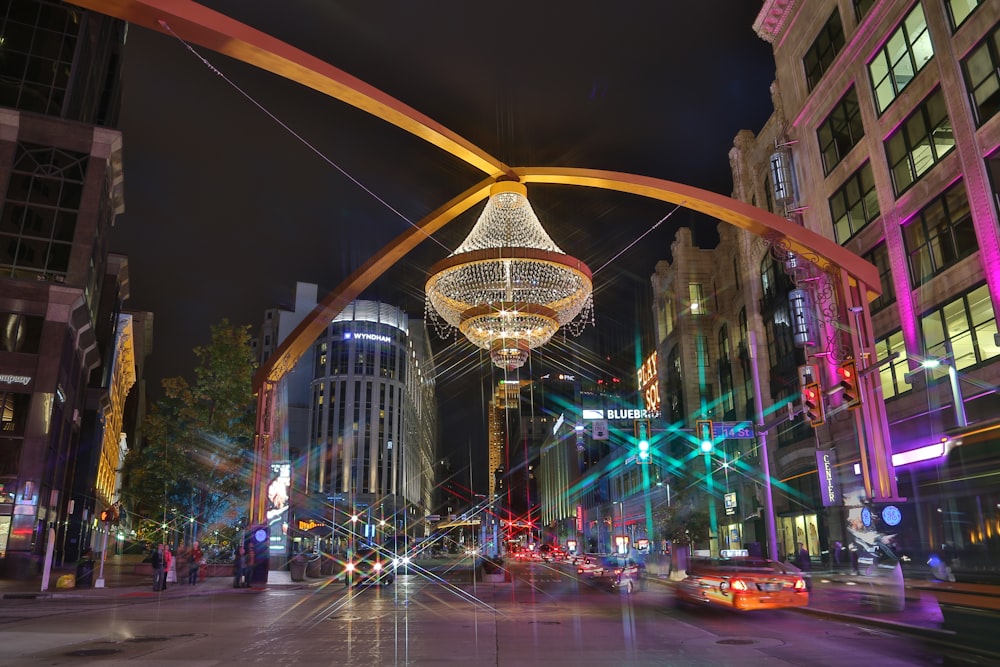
(225, 209)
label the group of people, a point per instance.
(164, 567)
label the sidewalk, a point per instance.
(120, 580)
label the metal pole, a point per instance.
(104, 553)
(765, 466)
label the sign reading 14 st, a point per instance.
(732, 430)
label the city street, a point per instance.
(544, 616)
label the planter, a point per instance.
(313, 567)
(328, 566)
(297, 568)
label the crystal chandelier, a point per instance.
(508, 287)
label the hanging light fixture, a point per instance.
(508, 287)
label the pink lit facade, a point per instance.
(886, 139)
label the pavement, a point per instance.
(838, 596)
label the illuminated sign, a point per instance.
(622, 414)
(649, 385)
(826, 462)
(730, 500)
(891, 515)
(378, 338)
(15, 379)
(277, 503)
(309, 524)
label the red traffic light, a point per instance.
(848, 374)
(812, 404)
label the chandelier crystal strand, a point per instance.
(508, 287)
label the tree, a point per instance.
(193, 468)
(685, 522)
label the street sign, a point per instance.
(433, 517)
(732, 430)
(599, 429)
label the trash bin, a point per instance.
(297, 567)
(313, 567)
(85, 573)
(328, 566)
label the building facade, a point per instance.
(361, 466)
(884, 138)
(61, 191)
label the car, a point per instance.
(617, 572)
(369, 566)
(742, 584)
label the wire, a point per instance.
(641, 237)
(302, 140)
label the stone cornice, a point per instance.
(772, 19)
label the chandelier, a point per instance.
(508, 287)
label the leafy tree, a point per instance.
(685, 522)
(193, 468)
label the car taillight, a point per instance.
(377, 566)
(800, 584)
(737, 584)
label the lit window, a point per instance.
(902, 57)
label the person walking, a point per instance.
(170, 568)
(156, 560)
(239, 566)
(194, 556)
(804, 563)
(248, 565)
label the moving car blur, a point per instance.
(742, 584)
(369, 566)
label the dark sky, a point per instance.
(225, 210)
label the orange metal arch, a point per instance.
(202, 26)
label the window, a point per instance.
(967, 324)
(939, 235)
(861, 8)
(982, 78)
(879, 257)
(909, 48)
(726, 398)
(841, 131)
(892, 373)
(854, 205)
(923, 139)
(824, 49)
(697, 298)
(38, 220)
(959, 10)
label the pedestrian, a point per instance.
(239, 565)
(248, 565)
(838, 555)
(804, 563)
(194, 557)
(170, 569)
(156, 559)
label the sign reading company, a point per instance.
(829, 489)
(15, 379)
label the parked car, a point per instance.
(369, 566)
(742, 584)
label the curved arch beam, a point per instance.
(800, 240)
(200, 25)
(284, 358)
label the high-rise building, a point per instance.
(361, 466)
(884, 138)
(61, 184)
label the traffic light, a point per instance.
(705, 433)
(812, 404)
(848, 374)
(642, 440)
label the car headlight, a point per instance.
(377, 567)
